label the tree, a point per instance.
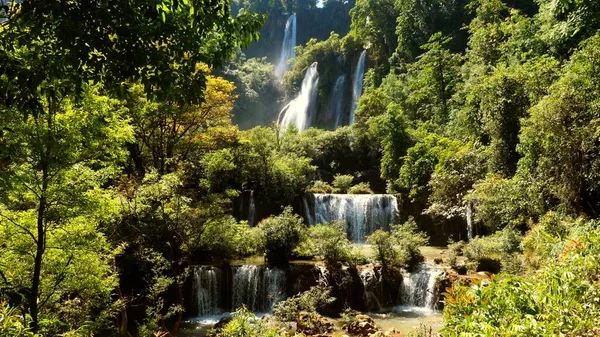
(87, 40)
(281, 235)
(52, 200)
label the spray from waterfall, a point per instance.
(300, 111)
(358, 84)
(363, 213)
(287, 49)
(336, 100)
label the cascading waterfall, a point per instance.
(363, 213)
(300, 111)
(469, 216)
(358, 84)
(418, 287)
(259, 288)
(207, 284)
(336, 100)
(288, 51)
(372, 285)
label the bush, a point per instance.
(245, 324)
(320, 186)
(500, 247)
(314, 300)
(281, 235)
(399, 247)
(12, 324)
(342, 183)
(330, 242)
(562, 298)
(362, 188)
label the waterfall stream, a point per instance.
(359, 75)
(363, 213)
(257, 287)
(300, 111)
(287, 49)
(469, 216)
(207, 285)
(336, 101)
(418, 287)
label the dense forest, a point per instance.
(150, 177)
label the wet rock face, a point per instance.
(363, 326)
(313, 324)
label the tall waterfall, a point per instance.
(358, 84)
(259, 288)
(287, 49)
(300, 111)
(372, 289)
(336, 100)
(418, 287)
(207, 285)
(363, 213)
(469, 215)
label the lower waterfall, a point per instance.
(363, 213)
(257, 287)
(418, 287)
(207, 285)
(373, 289)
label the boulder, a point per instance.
(313, 324)
(362, 326)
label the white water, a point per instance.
(363, 213)
(259, 288)
(287, 49)
(336, 101)
(418, 287)
(371, 284)
(299, 112)
(251, 209)
(469, 215)
(359, 75)
(207, 284)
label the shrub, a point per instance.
(342, 183)
(281, 235)
(245, 324)
(12, 324)
(362, 188)
(560, 299)
(330, 242)
(400, 246)
(316, 299)
(501, 247)
(320, 186)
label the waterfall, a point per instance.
(363, 213)
(207, 285)
(469, 215)
(358, 84)
(259, 288)
(287, 49)
(323, 275)
(418, 287)
(372, 289)
(300, 111)
(336, 100)
(251, 209)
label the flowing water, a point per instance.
(207, 285)
(357, 90)
(300, 111)
(336, 101)
(363, 213)
(288, 51)
(251, 209)
(257, 287)
(418, 287)
(372, 293)
(469, 216)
